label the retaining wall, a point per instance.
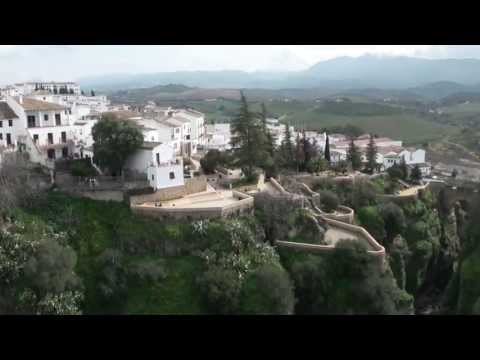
(343, 213)
(378, 250)
(243, 206)
(191, 186)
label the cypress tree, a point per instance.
(327, 149)
(247, 139)
(353, 155)
(371, 155)
(287, 151)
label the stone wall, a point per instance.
(191, 186)
(378, 250)
(243, 206)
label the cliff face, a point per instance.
(425, 259)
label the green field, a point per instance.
(379, 118)
(470, 108)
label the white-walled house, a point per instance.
(158, 162)
(413, 156)
(51, 86)
(48, 125)
(217, 136)
(9, 126)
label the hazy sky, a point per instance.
(62, 63)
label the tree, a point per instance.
(268, 140)
(416, 174)
(299, 154)
(393, 218)
(329, 200)
(327, 149)
(371, 155)
(287, 152)
(50, 269)
(267, 290)
(372, 220)
(212, 160)
(37, 273)
(353, 155)
(395, 172)
(364, 288)
(404, 168)
(114, 141)
(247, 139)
(268, 144)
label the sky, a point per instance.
(20, 63)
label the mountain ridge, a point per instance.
(383, 72)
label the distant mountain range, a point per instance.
(431, 79)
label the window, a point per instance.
(65, 152)
(172, 175)
(9, 139)
(153, 177)
(50, 138)
(31, 121)
(1, 136)
(35, 138)
(10, 123)
(45, 117)
(1, 123)
(57, 119)
(177, 130)
(64, 136)
(158, 159)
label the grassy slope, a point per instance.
(98, 227)
(177, 294)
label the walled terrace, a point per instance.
(336, 229)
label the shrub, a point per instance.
(81, 168)
(267, 290)
(221, 288)
(329, 200)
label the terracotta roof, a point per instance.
(32, 104)
(6, 112)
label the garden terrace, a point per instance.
(203, 205)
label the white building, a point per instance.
(413, 156)
(49, 126)
(218, 136)
(50, 86)
(158, 162)
(278, 133)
